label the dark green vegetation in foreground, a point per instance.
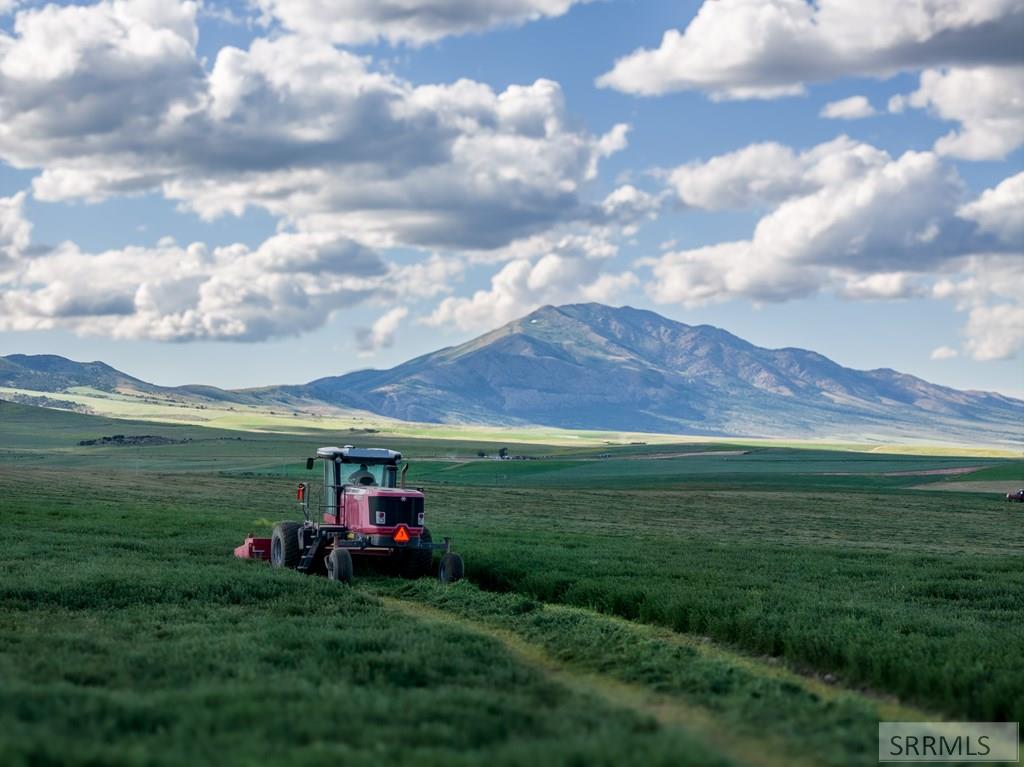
(914, 594)
(129, 635)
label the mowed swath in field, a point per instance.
(129, 630)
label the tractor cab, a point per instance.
(359, 482)
(365, 466)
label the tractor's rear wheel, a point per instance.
(451, 568)
(339, 566)
(284, 545)
(415, 563)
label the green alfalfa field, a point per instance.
(674, 604)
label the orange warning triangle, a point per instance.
(401, 535)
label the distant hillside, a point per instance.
(589, 366)
(51, 373)
(48, 372)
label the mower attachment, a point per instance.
(254, 548)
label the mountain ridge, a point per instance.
(590, 366)
(679, 378)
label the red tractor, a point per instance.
(366, 510)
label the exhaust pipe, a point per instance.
(401, 479)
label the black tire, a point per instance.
(339, 566)
(451, 569)
(415, 563)
(284, 545)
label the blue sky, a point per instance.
(352, 187)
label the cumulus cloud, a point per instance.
(883, 285)
(567, 264)
(15, 230)
(79, 79)
(841, 203)
(415, 22)
(852, 108)
(1000, 211)
(438, 274)
(754, 175)
(382, 334)
(521, 286)
(987, 102)
(111, 98)
(995, 332)
(987, 289)
(944, 353)
(290, 284)
(849, 217)
(771, 48)
(628, 205)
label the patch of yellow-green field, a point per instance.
(285, 419)
(951, 450)
(989, 486)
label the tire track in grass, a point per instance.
(667, 711)
(749, 709)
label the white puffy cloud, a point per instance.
(345, 157)
(15, 230)
(842, 203)
(849, 218)
(1000, 211)
(944, 353)
(110, 99)
(852, 108)
(75, 80)
(771, 48)
(628, 205)
(882, 285)
(568, 264)
(404, 21)
(995, 332)
(435, 275)
(727, 270)
(290, 284)
(754, 175)
(608, 288)
(521, 286)
(987, 289)
(843, 215)
(987, 102)
(382, 334)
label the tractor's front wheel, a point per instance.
(284, 545)
(415, 563)
(451, 568)
(339, 566)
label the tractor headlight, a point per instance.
(419, 519)
(381, 518)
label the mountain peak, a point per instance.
(591, 366)
(594, 366)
